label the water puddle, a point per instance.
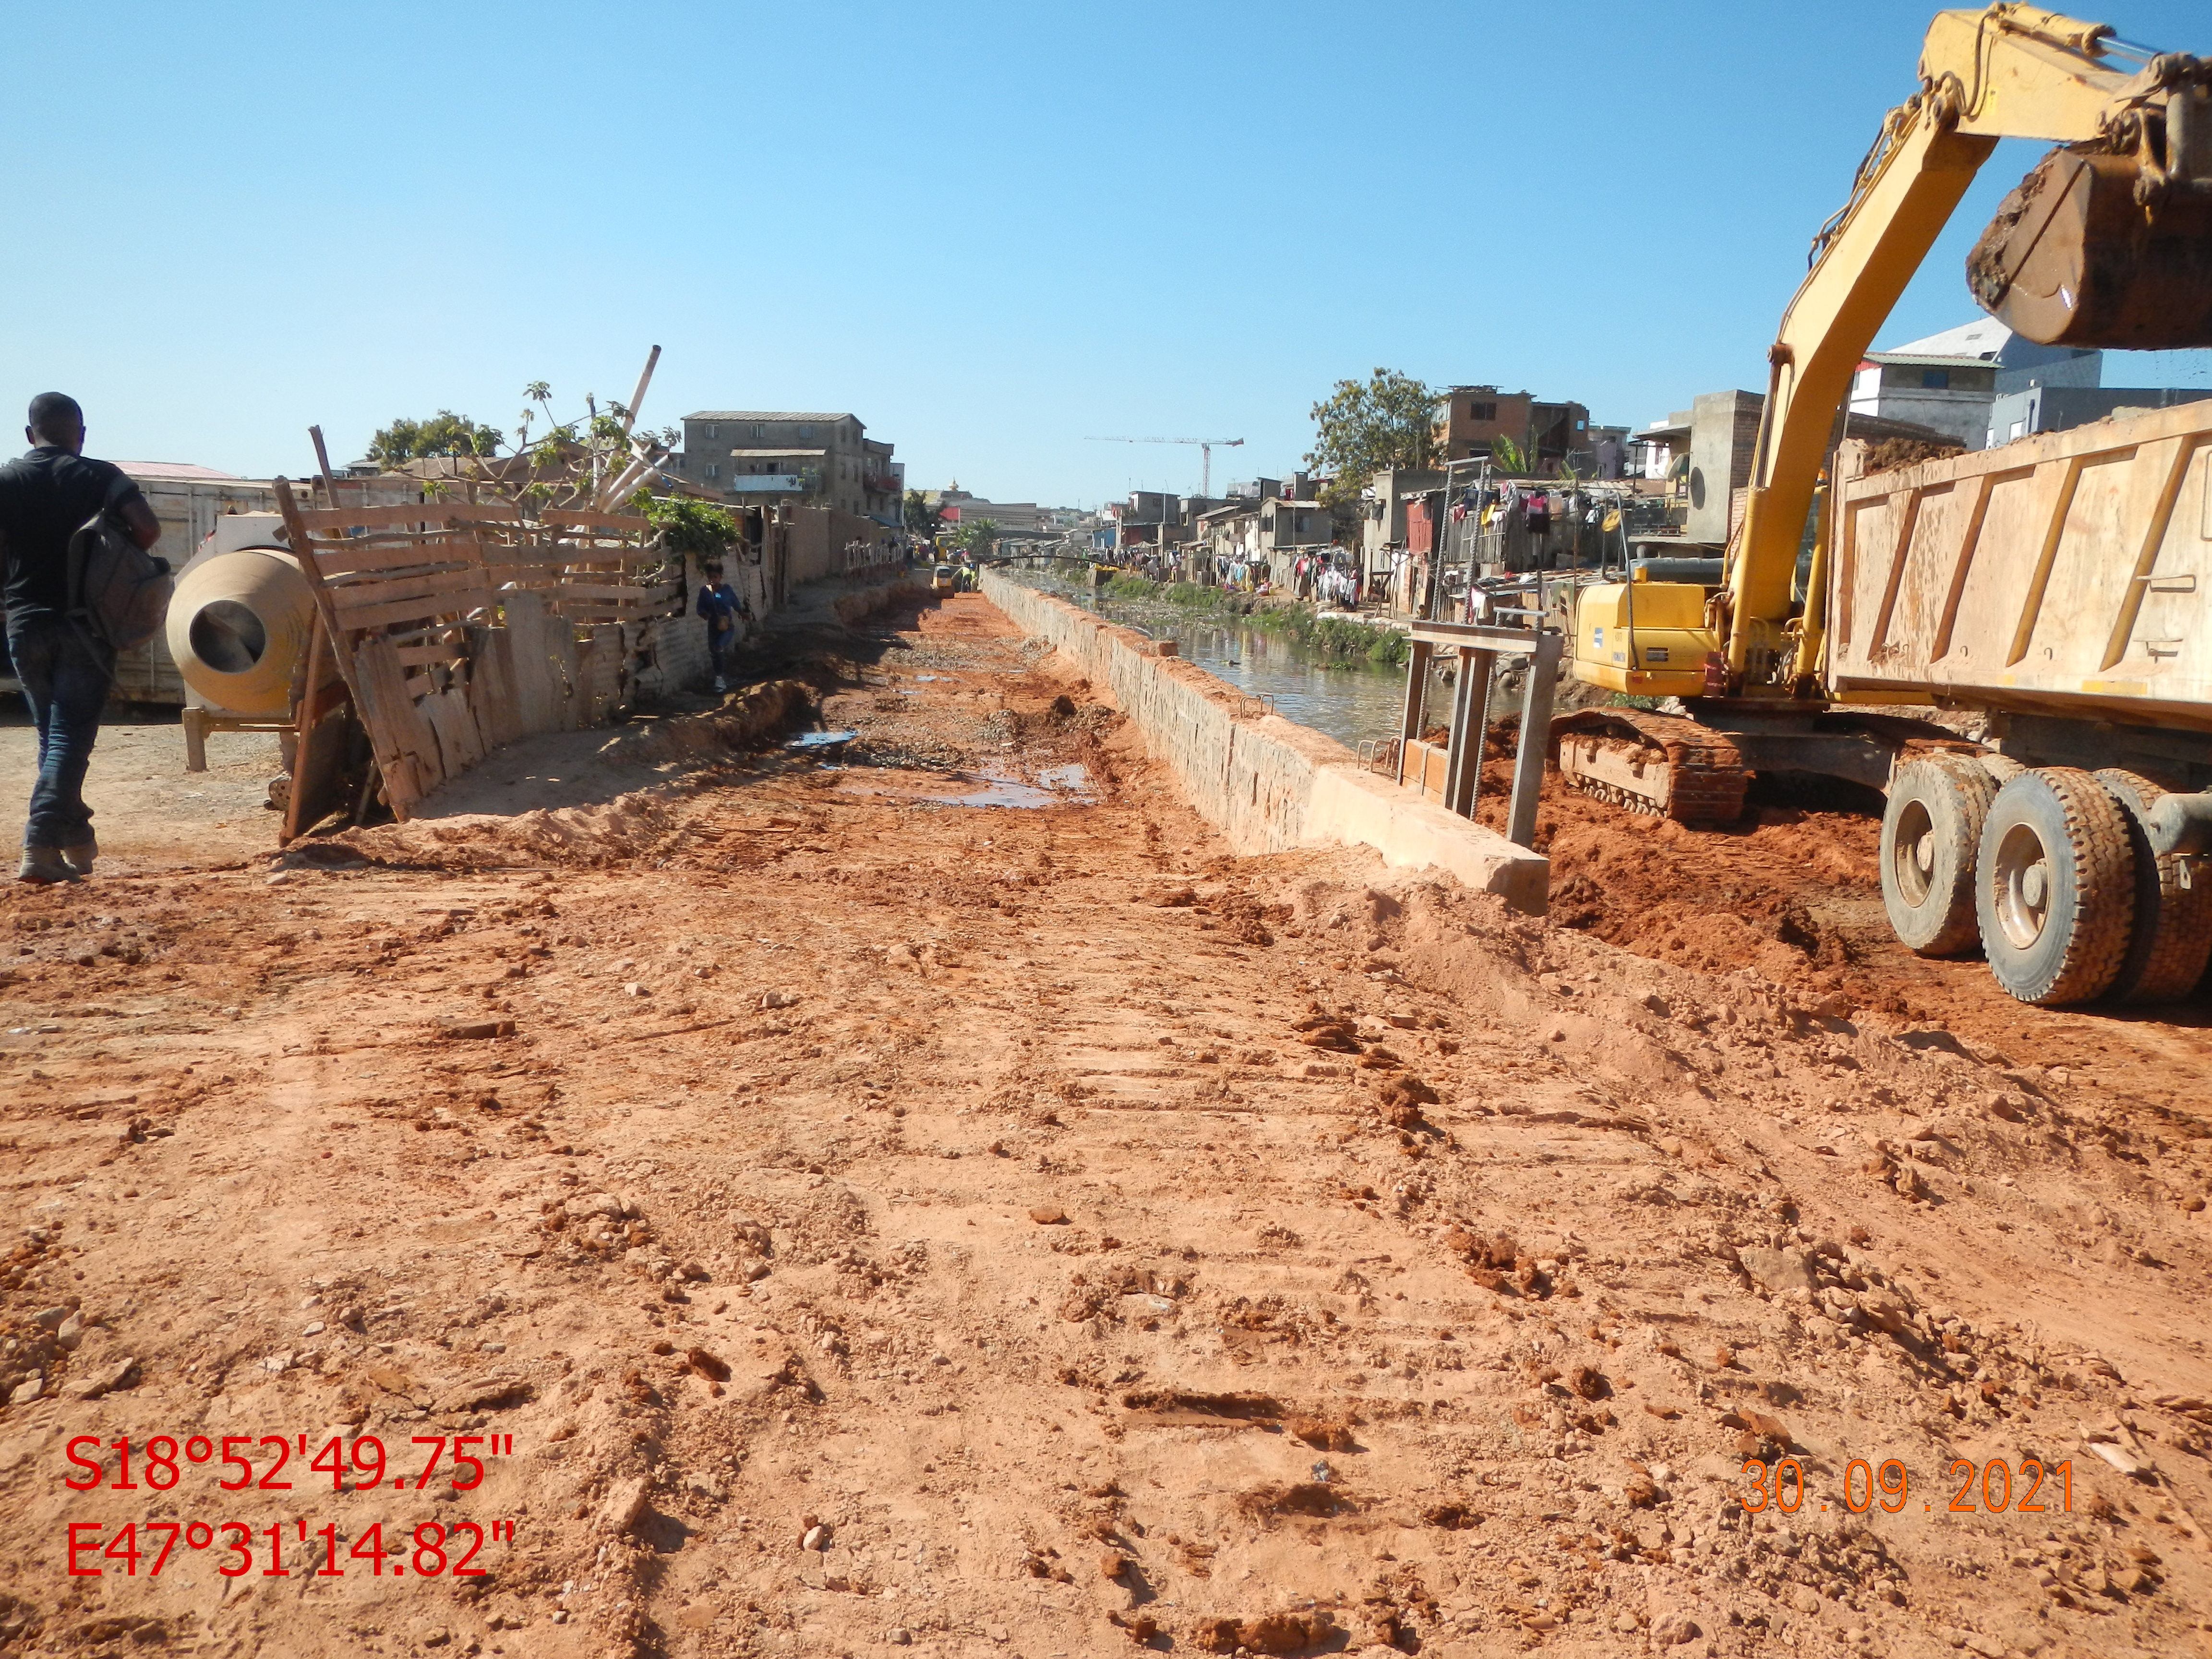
(820, 740)
(1055, 786)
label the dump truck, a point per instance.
(2053, 588)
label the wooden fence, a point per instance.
(449, 629)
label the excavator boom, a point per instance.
(2108, 243)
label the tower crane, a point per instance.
(1205, 448)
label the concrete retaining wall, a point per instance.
(1267, 783)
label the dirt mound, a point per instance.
(1890, 453)
(638, 825)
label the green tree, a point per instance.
(688, 526)
(1510, 458)
(443, 433)
(977, 537)
(922, 517)
(1365, 427)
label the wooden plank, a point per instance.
(406, 752)
(349, 597)
(491, 686)
(422, 656)
(343, 519)
(344, 571)
(612, 590)
(447, 713)
(628, 523)
(349, 558)
(597, 615)
(537, 579)
(295, 531)
(399, 537)
(531, 684)
(319, 785)
(306, 761)
(435, 605)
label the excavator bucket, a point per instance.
(2073, 259)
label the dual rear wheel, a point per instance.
(2051, 874)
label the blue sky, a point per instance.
(990, 230)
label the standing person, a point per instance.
(46, 497)
(720, 605)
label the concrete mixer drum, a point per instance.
(239, 628)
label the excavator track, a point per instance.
(1659, 765)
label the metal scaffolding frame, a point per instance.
(1479, 646)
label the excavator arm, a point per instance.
(2103, 245)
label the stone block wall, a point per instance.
(1267, 783)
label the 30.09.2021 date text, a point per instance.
(1998, 1486)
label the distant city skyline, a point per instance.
(232, 224)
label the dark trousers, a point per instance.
(718, 649)
(64, 677)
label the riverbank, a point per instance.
(1338, 641)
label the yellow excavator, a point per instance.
(2107, 242)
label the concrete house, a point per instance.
(819, 459)
(1382, 528)
(1470, 419)
(1949, 381)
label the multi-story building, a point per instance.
(2056, 408)
(1951, 381)
(1470, 419)
(824, 459)
(959, 505)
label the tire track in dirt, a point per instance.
(952, 1229)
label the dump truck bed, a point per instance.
(2063, 574)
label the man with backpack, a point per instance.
(64, 665)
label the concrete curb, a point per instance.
(1267, 783)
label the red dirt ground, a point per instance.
(891, 1226)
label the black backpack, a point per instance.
(118, 592)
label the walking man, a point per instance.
(45, 498)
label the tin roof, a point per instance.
(765, 414)
(176, 469)
(1925, 359)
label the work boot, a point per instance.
(80, 857)
(44, 864)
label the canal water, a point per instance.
(1352, 704)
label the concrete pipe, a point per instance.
(237, 628)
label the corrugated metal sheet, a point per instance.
(1420, 528)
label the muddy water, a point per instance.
(1352, 704)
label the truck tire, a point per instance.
(2172, 938)
(2054, 887)
(1930, 830)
